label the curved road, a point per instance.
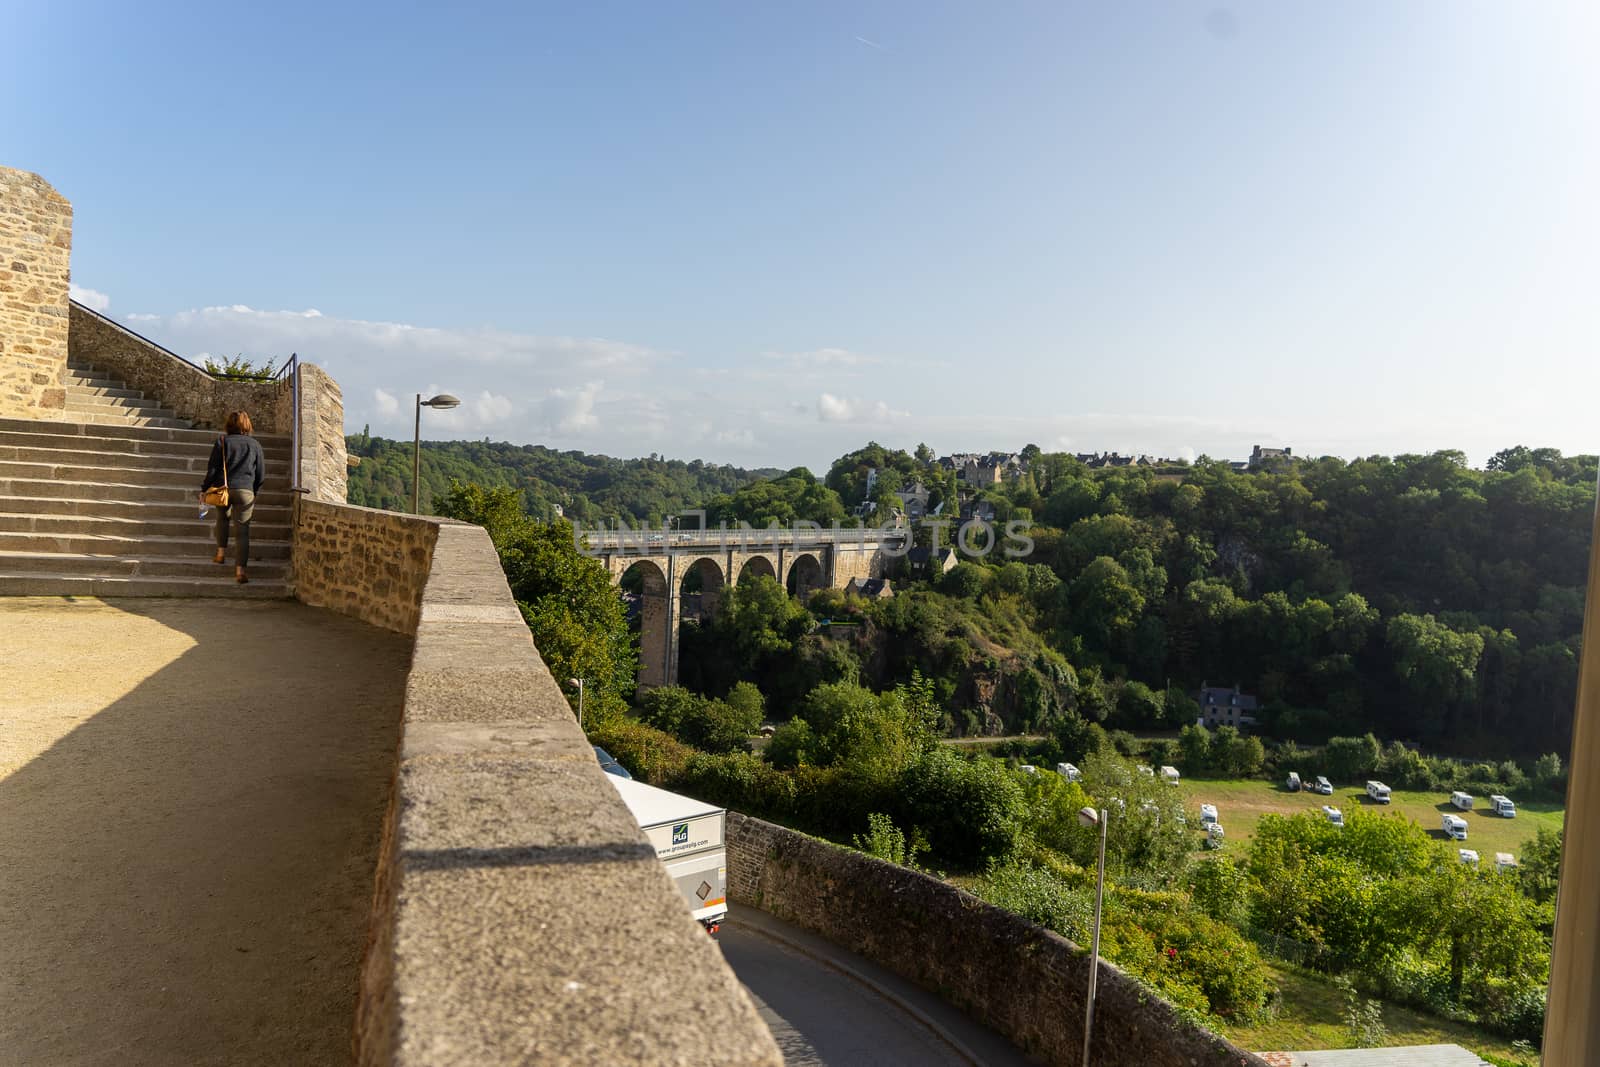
(825, 1005)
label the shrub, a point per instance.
(884, 840)
(649, 754)
(973, 811)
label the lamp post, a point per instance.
(579, 683)
(443, 400)
(1091, 817)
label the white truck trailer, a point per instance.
(688, 837)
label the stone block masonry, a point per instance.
(363, 562)
(35, 248)
(519, 915)
(1017, 978)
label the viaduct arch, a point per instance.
(710, 561)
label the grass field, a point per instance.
(1241, 803)
(1311, 1016)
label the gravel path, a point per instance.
(190, 798)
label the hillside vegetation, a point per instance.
(589, 489)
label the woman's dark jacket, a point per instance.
(246, 465)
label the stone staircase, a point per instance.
(107, 504)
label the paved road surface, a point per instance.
(826, 1006)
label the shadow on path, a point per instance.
(189, 840)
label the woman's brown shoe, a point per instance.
(220, 556)
(240, 577)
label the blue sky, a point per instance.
(764, 234)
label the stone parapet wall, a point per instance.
(35, 249)
(1019, 979)
(176, 383)
(362, 562)
(519, 914)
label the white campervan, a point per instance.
(1378, 792)
(1214, 835)
(1504, 861)
(1461, 800)
(1169, 774)
(1208, 814)
(1454, 826)
(1333, 814)
(1502, 806)
(1467, 856)
(1068, 771)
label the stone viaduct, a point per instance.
(801, 559)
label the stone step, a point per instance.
(89, 585)
(105, 475)
(90, 378)
(97, 419)
(140, 450)
(198, 547)
(94, 405)
(273, 494)
(140, 510)
(180, 435)
(80, 525)
(95, 388)
(19, 563)
(193, 463)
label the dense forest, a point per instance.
(588, 489)
(1412, 596)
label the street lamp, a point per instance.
(579, 683)
(1089, 817)
(443, 400)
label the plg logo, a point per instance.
(680, 833)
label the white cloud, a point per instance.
(489, 407)
(832, 408)
(572, 410)
(92, 299)
(625, 399)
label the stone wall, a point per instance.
(519, 915)
(1019, 979)
(175, 382)
(35, 249)
(362, 562)
(324, 461)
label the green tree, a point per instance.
(1348, 759)
(1194, 744)
(498, 509)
